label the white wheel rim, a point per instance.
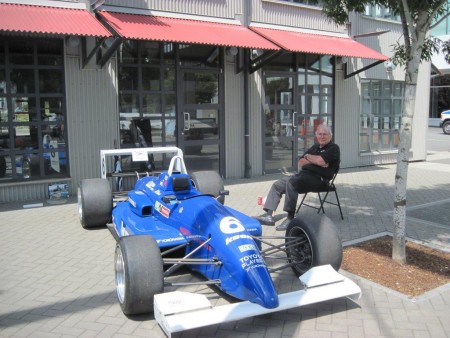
(80, 206)
(120, 275)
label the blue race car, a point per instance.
(172, 219)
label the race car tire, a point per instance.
(208, 182)
(95, 202)
(446, 127)
(138, 273)
(313, 241)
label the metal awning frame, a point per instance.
(101, 60)
(345, 69)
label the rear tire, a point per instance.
(313, 241)
(446, 127)
(138, 273)
(95, 202)
(208, 182)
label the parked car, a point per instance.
(173, 218)
(445, 121)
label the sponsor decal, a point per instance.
(132, 202)
(184, 231)
(181, 210)
(252, 261)
(150, 185)
(246, 247)
(231, 225)
(162, 209)
(163, 182)
(168, 240)
(158, 192)
(235, 237)
(253, 229)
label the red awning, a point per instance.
(156, 28)
(318, 44)
(40, 20)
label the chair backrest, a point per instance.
(331, 183)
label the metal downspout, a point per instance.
(248, 167)
(247, 172)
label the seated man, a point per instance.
(318, 165)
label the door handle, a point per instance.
(187, 118)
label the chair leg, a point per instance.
(339, 204)
(322, 202)
(298, 209)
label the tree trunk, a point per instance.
(401, 175)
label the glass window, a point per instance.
(32, 110)
(22, 81)
(147, 94)
(49, 53)
(50, 80)
(380, 117)
(150, 78)
(380, 12)
(306, 2)
(199, 56)
(201, 88)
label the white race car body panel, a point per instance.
(180, 311)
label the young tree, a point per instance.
(417, 16)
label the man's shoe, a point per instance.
(265, 219)
(283, 226)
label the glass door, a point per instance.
(281, 123)
(199, 132)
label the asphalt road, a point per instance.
(437, 140)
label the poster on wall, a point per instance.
(58, 192)
(54, 156)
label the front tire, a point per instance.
(313, 241)
(95, 202)
(446, 127)
(208, 182)
(138, 273)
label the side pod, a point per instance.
(179, 311)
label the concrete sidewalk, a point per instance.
(57, 279)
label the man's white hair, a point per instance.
(326, 127)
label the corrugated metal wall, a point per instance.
(256, 98)
(230, 9)
(293, 15)
(92, 116)
(234, 121)
(18, 192)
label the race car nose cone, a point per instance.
(268, 301)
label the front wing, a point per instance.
(179, 311)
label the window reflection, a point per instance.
(32, 119)
(146, 93)
(380, 115)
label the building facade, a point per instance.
(239, 86)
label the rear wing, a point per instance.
(143, 154)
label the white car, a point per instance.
(445, 121)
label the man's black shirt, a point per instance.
(330, 153)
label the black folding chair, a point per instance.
(331, 188)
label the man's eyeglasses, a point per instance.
(322, 134)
